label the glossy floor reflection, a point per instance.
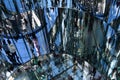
(52, 67)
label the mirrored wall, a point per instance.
(35, 30)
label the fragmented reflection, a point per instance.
(39, 31)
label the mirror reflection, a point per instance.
(36, 41)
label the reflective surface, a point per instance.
(50, 68)
(93, 6)
(76, 35)
(47, 67)
(83, 35)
